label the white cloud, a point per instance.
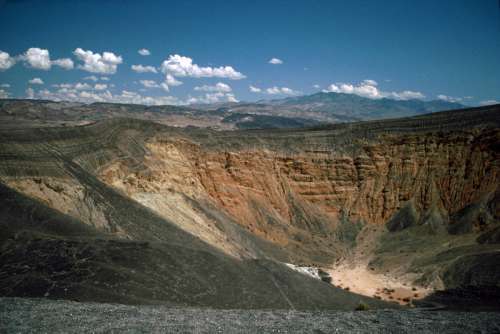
(78, 86)
(100, 86)
(164, 86)
(316, 86)
(143, 69)
(4, 94)
(368, 88)
(6, 61)
(104, 78)
(449, 98)
(275, 90)
(30, 93)
(254, 89)
(209, 98)
(144, 52)
(219, 87)
(65, 63)
(488, 102)
(5, 85)
(181, 66)
(149, 83)
(91, 78)
(64, 94)
(37, 58)
(172, 81)
(281, 90)
(36, 81)
(106, 63)
(406, 95)
(231, 98)
(370, 82)
(40, 59)
(275, 61)
(82, 86)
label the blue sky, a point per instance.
(396, 49)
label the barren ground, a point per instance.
(47, 316)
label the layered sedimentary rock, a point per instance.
(278, 197)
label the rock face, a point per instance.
(295, 196)
(301, 199)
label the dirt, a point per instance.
(364, 281)
(45, 316)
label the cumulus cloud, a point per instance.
(6, 61)
(37, 58)
(80, 86)
(489, 102)
(90, 96)
(165, 86)
(30, 93)
(91, 78)
(36, 81)
(100, 86)
(172, 81)
(4, 94)
(40, 59)
(316, 86)
(370, 82)
(104, 78)
(450, 98)
(106, 63)
(219, 87)
(368, 88)
(275, 61)
(144, 52)
(275, 90)
(209, 98)
(5, 85)
(143, 69)
(65, 63)
(181, 66)
(406, 95)
(254, 89)
(281, 90)
(149, 83)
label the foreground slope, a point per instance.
(45, 316)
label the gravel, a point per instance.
(20, 315)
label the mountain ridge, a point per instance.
(291, 112)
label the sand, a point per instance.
(362, 280)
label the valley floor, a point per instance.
(362, 280)
(18, 315)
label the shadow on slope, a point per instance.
(47, 254)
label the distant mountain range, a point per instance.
(291, 112)
(340, 107)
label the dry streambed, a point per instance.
(366, 282)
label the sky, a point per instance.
(184, 52)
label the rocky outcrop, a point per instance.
(298, 200)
